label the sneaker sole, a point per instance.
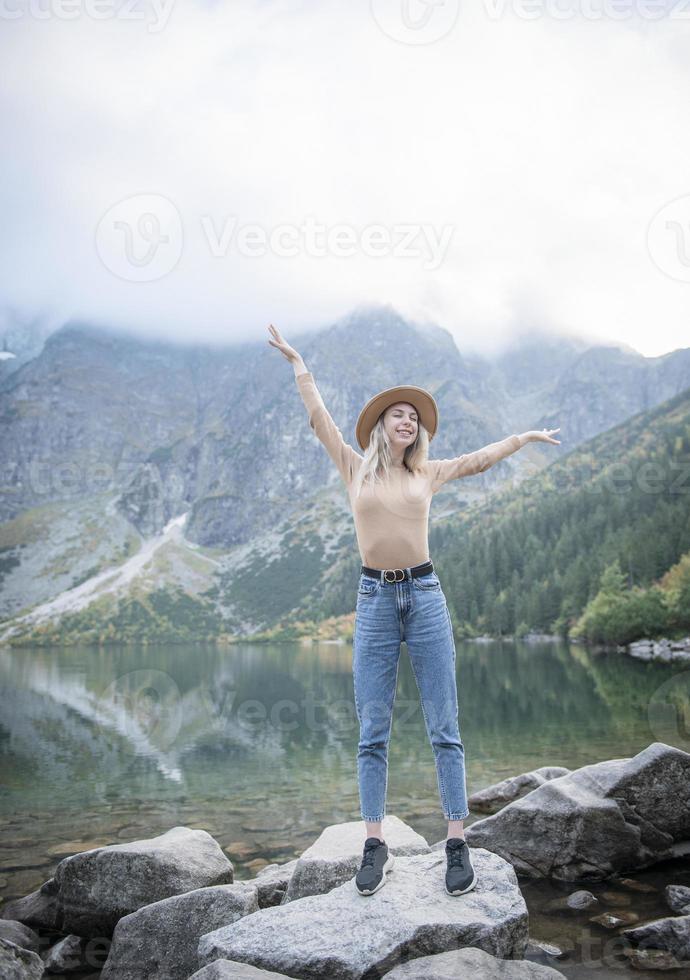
(464, 890)
(387, 867)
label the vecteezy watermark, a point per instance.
(592, 949)
(666, 479)
(317, 240)
(84, 952)
(415, 21)
(154, 13)
(425, 21)
(147, 707)
(588, 9)
(144, 705)
(668, 711)
(668, 238)
(56, 475)
(140, 238)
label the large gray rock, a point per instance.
(97, 887)
(234, 970)
(678, 898)
(343, 935)
(159, 941)
(492, 798)
(671, 933)
(20, 935)
(272, 882)
(336, 854)
(39, 908)
(618, 815)
(17, 963)
(471, 963)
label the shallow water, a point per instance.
(257, 744)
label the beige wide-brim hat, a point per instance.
(423, 401)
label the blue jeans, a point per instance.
(414, 610)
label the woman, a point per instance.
(400, 597)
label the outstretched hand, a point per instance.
(544, 435)
(282, 345)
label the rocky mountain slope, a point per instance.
(109, 439)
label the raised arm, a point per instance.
(469, 464)
(342, 454)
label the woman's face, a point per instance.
(401, 424)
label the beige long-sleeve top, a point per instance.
(392, 518)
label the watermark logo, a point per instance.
(593, 10)
(668, 711)
(314, 239)
(415, 21)
(145, 706)
(668, 239)
(154, 13)
(140, 238)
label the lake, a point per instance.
(257, 745)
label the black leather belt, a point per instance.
(399, 574)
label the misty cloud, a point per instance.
(526, 157)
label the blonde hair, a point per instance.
(378, 459)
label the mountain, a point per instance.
(21, 339)
(134, 469)
(534, 555)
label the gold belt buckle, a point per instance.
(395, 574)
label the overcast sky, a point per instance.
(198, 170)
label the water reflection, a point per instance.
(80, 724)
(257, 744)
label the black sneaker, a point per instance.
(460, 876)
(375, 862)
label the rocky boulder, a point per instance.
(471, 962)
(670, 934)
(159, 941)
(412, 915)
(678, 898)
(20, 935)
(39, 908)
(601, 819)
(92, 890)
(336, 854)
(17, 963)
(234, 970)
(492, 798)
(272, 883)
